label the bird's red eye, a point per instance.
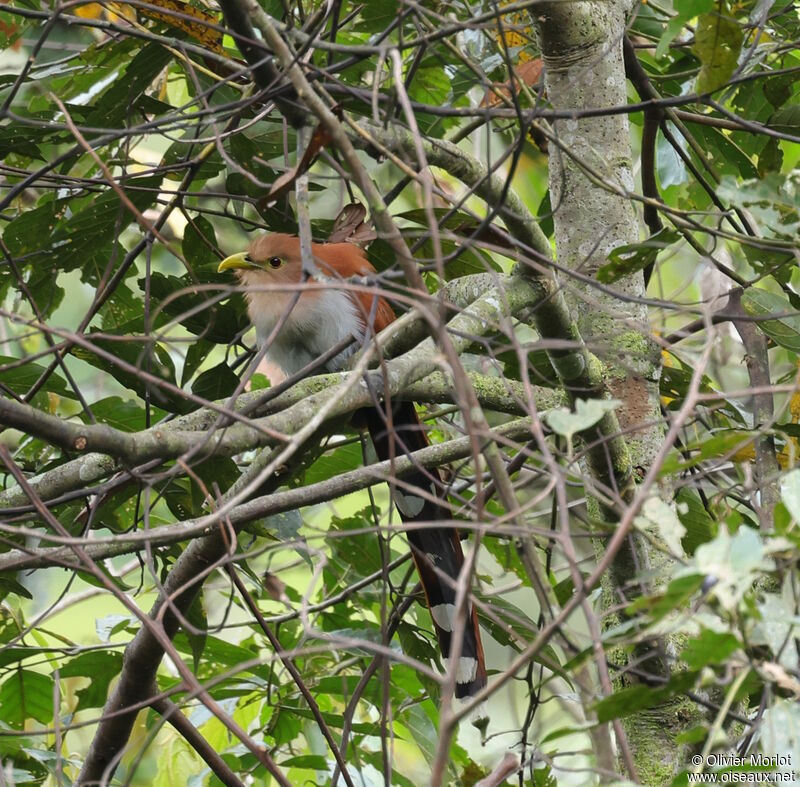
(275, 262)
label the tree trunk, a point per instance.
(590, 182)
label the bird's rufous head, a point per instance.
(273, 259)
(272, 268)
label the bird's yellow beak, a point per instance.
(235, 261)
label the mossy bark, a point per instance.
(591, 184)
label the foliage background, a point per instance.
(137, 151)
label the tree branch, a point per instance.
(299, 403)
(257, 508)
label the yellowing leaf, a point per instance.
(517, 33)
(794, 402)
(90, 11)
(53, 400)
(200, 30)
(746, 454)
(118, 11)
(717, 43)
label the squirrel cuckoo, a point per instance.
(319, 319)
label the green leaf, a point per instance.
(544, 215)
(23, 235)
(342, 459)
(63, 235)
(9, 585)
(284, 526)
(84, 239)
(564, 590)
(700, 527)
(543, 776)
(344, 686)
(20, 379)
(197, 353)
(110, 625)
(360, 551)
(422, 729)
(198, 634)
(510, 620)
(312, 762)
(627, 701)
(259, 382)
(17, 655)
(417, 646)
(196, 309)
(123, 414)
(671, 168)
(693, 735)
(285, 725)
(28, 142)
(710, 647)
(684, 11)
(676, 596)
(142, 354)
(563, 732)
(123, 308)
(779, 731)
(185, 497)
(376, 15)
(376, 760)
(784, 330)
(100, 667)
(215, 383)
(770, 159)
(181, 151)
(461, 258)
(251, 156)
(778, 264)
(723, 152)
(430, 85)
(774, 188)
(335, 720)
(587, 413)
(736, 444)
(200, 242)
(771, 199)
(661, 519)
(775, 628)
(790, 493)
(786, 120)
(732, 562)
(111, 109)
(626, 260)
(26, 695)
(676, 377)
(117, 508)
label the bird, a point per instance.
(312, 312)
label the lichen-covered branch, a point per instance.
(104, 547)
(288, 412)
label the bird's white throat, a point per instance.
(316, 321)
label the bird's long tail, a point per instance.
(436, 550)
